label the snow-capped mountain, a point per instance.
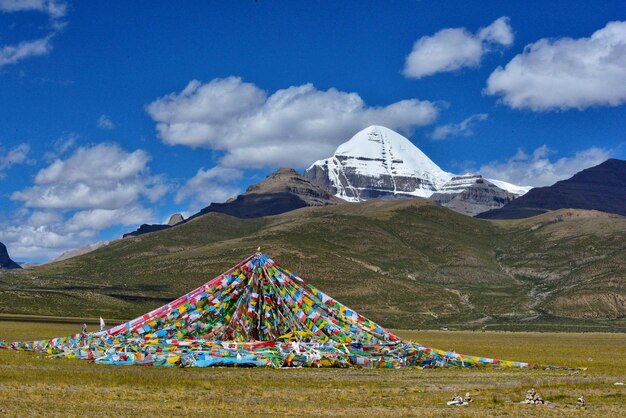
(378, 162)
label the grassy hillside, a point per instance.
(405, 264)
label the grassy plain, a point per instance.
(33, 385)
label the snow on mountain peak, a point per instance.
(396, 152)
(378, 162)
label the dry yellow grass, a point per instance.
(31, 384)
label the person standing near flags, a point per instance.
(83, 334)
(102, 324)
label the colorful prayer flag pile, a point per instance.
(256, 314)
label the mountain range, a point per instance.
(376, 162)
(602, 187)
(380, 163)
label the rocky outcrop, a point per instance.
(602, 187)
(471, 195)
(282, 191)
(5, 261)
(175, 219)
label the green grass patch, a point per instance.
(32, 384)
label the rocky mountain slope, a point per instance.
(81, 250)
(602, 187)
(405, 263)
(282, 191)
(5, 261)
(471, 194)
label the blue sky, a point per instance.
(118, 113)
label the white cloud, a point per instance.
(566, 73)
(56, 10)
(105, 122)
(77, 195)
(12, 54)
(93, 189)
(463, 128)
(499, 32)
(538, 170)
(43, 217)
(99, 219)
(454, 48)
(64, 143)
(14, 156)
(99, 177)
(213, 185)
(46, 234)
(291, 127)
(42, 242)
(95, 163)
